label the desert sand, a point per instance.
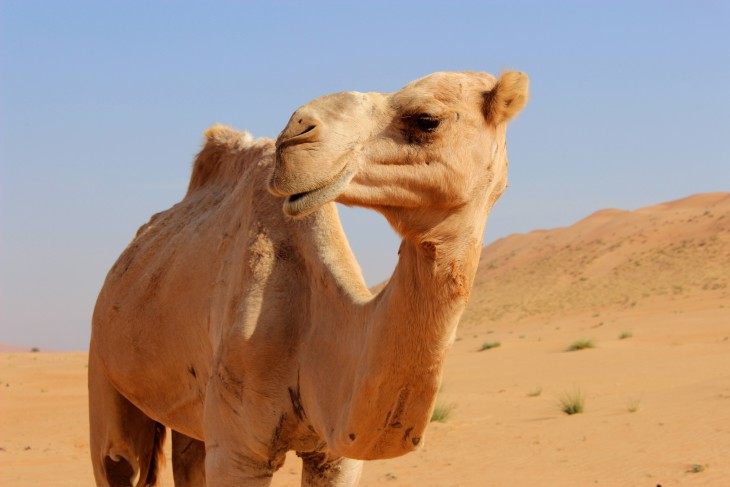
(648, 288)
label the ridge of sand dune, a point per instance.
(612, 259)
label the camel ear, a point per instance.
(507, 98)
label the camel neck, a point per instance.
(422, 303)
(373, 363)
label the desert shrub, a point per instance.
(580, 345)
(489, 345)
(442, 411)
(573, 402)
(633, 405)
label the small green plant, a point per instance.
(391, 476)
(535, 392)
(696, 468)
(633, 405)
(573, 402)
(489, 345)
(624, 335)
(442, 411)
(580, 345)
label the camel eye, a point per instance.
(426, 122)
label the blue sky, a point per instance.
(103, 105)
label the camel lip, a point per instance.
(302, 204)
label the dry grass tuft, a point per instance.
(582, 344)
(442, 411)
(634, 405)
(489, 345)
(573, 402)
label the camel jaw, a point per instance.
(302, 204)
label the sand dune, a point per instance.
(649, 288)
(612, 259)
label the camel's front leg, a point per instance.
(245, 437)
(234, 454)
(322, 470)
(188, 461)
(224, 467)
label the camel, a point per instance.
(239, 317)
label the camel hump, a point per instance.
(219, 158)
(226, 135)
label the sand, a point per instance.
(656, 384)
(674, 372)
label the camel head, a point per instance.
(415, 155)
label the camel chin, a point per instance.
(302, 204)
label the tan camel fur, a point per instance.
(249, 330)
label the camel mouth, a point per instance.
(302, 204)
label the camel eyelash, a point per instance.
(422, 121)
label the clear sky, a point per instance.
(103, 105)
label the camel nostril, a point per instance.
(307, 130)
(294, 135)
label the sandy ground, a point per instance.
(506, 427)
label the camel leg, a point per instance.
(236, 467)
(244, 436)
(125, 443)
(322, 470)
(188, 461)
